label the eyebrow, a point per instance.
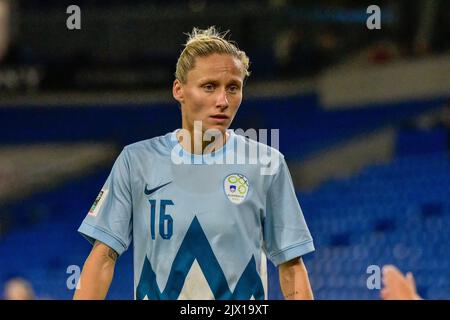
(212, 80)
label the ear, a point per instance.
(177, 91)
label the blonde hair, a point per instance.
(202, 43)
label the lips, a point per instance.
(220, 116)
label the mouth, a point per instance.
(219, 118)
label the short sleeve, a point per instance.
(286, 235)
(109, 219)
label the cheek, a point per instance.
(195, 103)
(236, 102)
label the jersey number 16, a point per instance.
(165, 220)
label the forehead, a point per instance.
(216, 66)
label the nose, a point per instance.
(222, 100)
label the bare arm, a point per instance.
(97, 273)
(294, 280)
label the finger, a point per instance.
(391, 273)
(411, 280)
(387, 268)
(387, 273)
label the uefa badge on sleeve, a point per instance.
(98, 202)
(236, 187)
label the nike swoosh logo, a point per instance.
(150, 191)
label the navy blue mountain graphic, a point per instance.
(196, 246)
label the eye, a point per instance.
(233, 89)
(208, 87)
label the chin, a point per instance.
(221, 128)
(207, 125)
(224, 125)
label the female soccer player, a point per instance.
(202, 215)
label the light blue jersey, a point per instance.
(200, 231)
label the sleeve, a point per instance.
(286, 235)
(109, 220)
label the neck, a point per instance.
(193, 141)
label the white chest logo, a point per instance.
(236, 187)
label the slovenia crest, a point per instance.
(236, 187)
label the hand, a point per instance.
(397, 286)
